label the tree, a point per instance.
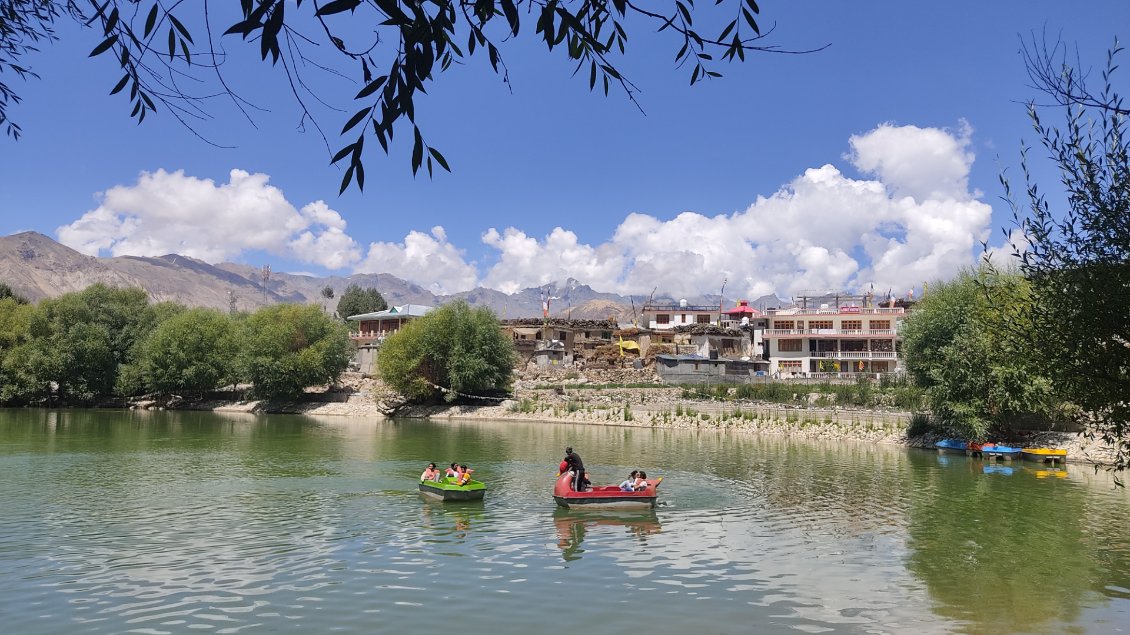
(1075, 251)
(454, 352)
(962, 346)
(287, 347)
(355, 301)
(75, 345)
(394, 48)
(6, 292)
(189, 352)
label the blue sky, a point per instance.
(875, 161)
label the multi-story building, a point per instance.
(848, 338)
(666, 316)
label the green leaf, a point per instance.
(372, 87)
(439, 159)
(104, 46)
(417, 150)
(338, 6)
(356, 118)
(342, 152)
(346, 179)
(151, 20)
(180, 27)
(112, 21)
(120, 85)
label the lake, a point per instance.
(173, 522)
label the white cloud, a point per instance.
(170, 212)
(924, 163)
(911, 218)
(525, 262)
(915, 221)
(428, 260)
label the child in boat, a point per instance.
(629, 484)
(641, 481)
(430, 474)
(464, 475)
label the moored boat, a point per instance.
(1044, 455)
(998, 451)
(447, 490)
(955, 446)
(604, 496)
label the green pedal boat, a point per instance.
(447, 490)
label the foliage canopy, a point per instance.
(355, 301)
(454, 351)
(1075, 251)
(963, 345)
(392, 48)
(287, 347)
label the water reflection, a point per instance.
(998, 558)
(572, 525)
(176, 521)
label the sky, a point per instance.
(873, 162)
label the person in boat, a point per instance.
(574, 463)
(641, 481)
(452, 471)
(629, 484)
(430, 474)
(464, 475)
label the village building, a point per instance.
(664, 316)
(846, 337)
(372, 328)
(556, 341)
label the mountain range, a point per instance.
(37, 267)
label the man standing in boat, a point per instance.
(573, 462)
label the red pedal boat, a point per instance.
(605, 496)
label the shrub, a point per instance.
(453, 351)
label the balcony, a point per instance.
(830, 332)
(855, 354)
(853, 311)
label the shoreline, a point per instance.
(651, 408)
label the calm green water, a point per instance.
(114, 522)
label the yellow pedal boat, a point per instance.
(1044, 455)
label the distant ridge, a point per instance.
(38, 267)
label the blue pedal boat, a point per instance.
(954, 446)
(996, 451)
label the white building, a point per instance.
(842, 340)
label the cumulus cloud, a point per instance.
(908, 217)
(426, 259)
(914, 221)
(171, 212)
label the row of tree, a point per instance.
(1049, 336)
(102, 343)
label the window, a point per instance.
(683, 319)
(662, 318)
(783, 324)
(881, 324)
(789, 346)
(820, 324)
(561, 335)
(852, 325)
(702, 319)
(606, 335)
(789, 364)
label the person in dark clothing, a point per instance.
(573, 462)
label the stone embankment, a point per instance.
(636, 398)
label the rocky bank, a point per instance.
(632, 397)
